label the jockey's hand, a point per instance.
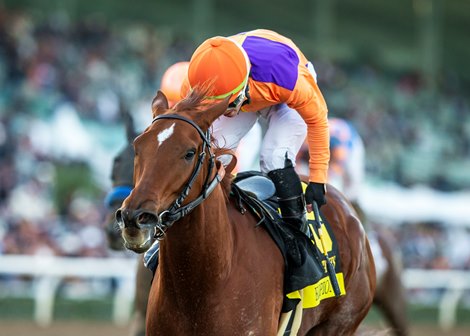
(315, 192)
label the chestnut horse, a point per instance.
(219, 273)
(389, 298)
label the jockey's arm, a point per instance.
(308, 101)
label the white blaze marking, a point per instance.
(165, 134)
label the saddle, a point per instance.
(305, 277)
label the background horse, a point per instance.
(143, 275)
(122, 176)
(219, 273)
(390, 294)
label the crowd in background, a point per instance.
(62, 83)
(64, 80)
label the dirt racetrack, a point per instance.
(28, 328)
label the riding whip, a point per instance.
(329, 265)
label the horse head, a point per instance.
(174, 168)
(122, 180)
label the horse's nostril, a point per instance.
(131, 218)
(146, 218)
(118, 216)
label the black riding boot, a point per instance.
(290, 196)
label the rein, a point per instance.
(176, 211)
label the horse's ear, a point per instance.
(159, 104)
(213, 112)
(128, 120)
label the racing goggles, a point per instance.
(238, 102)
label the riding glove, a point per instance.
(315, 192)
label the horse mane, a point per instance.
(195, 99)
(226, 182)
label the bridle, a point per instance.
(176, 211)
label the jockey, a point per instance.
(347, 166)
(266, 75)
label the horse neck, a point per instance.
(200, 245)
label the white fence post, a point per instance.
(453, 281)
(123, 299)
(44, 298)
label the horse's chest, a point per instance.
(230, 316)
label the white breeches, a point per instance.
(286, 131)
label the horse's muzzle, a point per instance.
(142, 219)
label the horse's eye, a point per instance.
(190, 154)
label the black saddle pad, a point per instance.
(304, 260)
